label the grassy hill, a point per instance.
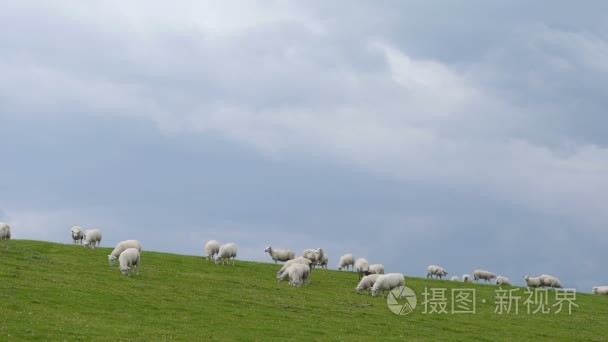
(51, 291)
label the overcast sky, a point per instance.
(464, 134)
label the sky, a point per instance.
(470, 135)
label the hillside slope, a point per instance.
(52, 291)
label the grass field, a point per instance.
(52, 291)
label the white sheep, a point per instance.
(361, 266)
(550, 281)
(500, 280)
(466, 278)
(600, 290)
(367, 283)
(434, 270)
(485, 275)
(375, 269)
(77, 235)
(212, 247)
(455, 278)
(5, 231)
(346, 261)
(121, 247)
(387, 282)
(128, 260)
(226, 252)
(314, 255)
(300, 260)
(280, 254)
(92, 237)
(324, 261)
(533, 281)
(298, 274)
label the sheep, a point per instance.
(550, 281)
(298, 274)
(324, 261)
(227, 251)
(600, 290)
(434, 270)
(455, 278)
(466, 278)
(212, 247)
(485, 275)
(129, 259)
(280, 254)
(345, 261)
(533, 281)
(500, 280)
(300, 260)
(5, 231)
(121, 247)
(91, 237)
(77, 235)
(366, 283)
(361, 265)
(374, 269)
(387, 282)
(314, 255)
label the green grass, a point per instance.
(52, 291)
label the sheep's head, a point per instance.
(218, 259)
(111, 259)
(125, 270)
(595, 290)
(375, 292)
(268, 250)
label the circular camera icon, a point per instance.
(401, 300)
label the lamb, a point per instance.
(374, 269)
(434, 270)
(466, 278)
(5, 231)
(300, 260)
(367, 283)
(345, 261)
(387, 282)
(455, 278)
(550, 281)
(280, 254)
(533, 281)
(324, 261)
(361, 265)
(121, 247)
(227, 251)
(600, 290)
(298, 274)
(485, 275)
(212, 247)
(92, 237)
(500, 280)
(77, 235)
(129, 259)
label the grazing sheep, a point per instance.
(345, 261)
(129, 259)
(550, 281)
(121, 247)
(92, 237)
(387, 282)
(366, 283)
(280, 254)
(485, 275)
(298, 275)
(500, 280)
(361, 265)
(314, 255)
(434, 270)
(77, 235)
(226, 252)
(5, 231)
(374, 269)
(212, 247)
(300, 260)
(466, 278)
(600, 290)
(533, 281)
(324, 261)
(455, 278)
